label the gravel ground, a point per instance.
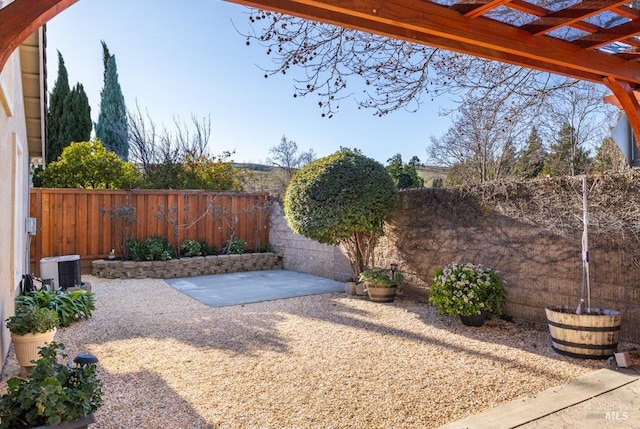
(323, 361)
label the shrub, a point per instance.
(236, 247)
(154, 248)
(343, 198)
(207, 250)
(52, 394)
(69, 306)
(265, 248)
(89, 165)
(467, 289)
(190, 248)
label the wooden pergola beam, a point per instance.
(628, 101)
(21, 18)
(429, 23)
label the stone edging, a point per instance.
(186, 267)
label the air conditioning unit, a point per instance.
(61, 272)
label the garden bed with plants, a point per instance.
(155, 258)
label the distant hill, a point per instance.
(431, 172)
(268, 178)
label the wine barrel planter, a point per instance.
(588, 336)
(381, 294)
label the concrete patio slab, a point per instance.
(222, 290)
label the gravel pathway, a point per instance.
(323, 361)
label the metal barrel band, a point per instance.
(584, 328)
(585, 346)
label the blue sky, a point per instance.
(184, 58)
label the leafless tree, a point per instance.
(289, 158)
(381, 73)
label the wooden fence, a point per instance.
(91, 223)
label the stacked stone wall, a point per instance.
(187, 267)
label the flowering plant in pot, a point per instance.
(467, 290)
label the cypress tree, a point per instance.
(111, 128)
(76, 119)
(60, 92)
(531, 160)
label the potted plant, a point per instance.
(468, 291)
(381, 283)
(54, 395)
(31, 328)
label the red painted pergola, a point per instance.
(593, 40)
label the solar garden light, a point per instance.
(85, 359)
(394, 268)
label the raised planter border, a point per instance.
(186, 267)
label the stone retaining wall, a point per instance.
(187, 267)
(302, 254)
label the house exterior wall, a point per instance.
(14, 188)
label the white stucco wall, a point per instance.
(14, 190)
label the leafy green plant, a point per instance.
(467, 289)
(235, 247)
(53, 393)
(344, 199)
(380, 277)
(207, 250)
(265, 248)
(158, 248)
(154, 248)
(32, 319)
(69, 306)
(190, 248)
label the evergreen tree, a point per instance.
(404, 175)
(531, 160)
(567, 157)
(111, 128)
(76, 118)
(507, 161)
(609, 157)
(60, 91)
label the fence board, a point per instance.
(78, 221)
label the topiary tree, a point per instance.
(342, 199)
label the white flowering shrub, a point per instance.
(466, 289)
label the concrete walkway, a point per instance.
(222, 290)
(607, 398)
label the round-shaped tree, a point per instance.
(342, 199)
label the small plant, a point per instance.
(52, 394)
(190, 248)
(380, 277)
(265, 248)
(467, 289)
(236, 247)
(32, 319)
(154, 248)
(208, 250)
(69, 306)
(158, 248)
